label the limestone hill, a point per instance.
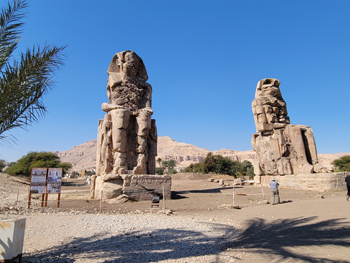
(84, 156)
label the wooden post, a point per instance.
(233, 197)
(46, 197)
(42, 200)
(101, 202)
(262, 190)
(58, 200)
(29, 199)
(163, 197)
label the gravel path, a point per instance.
(136, 237)
(75, 236)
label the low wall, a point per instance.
(313, 182)
(190, 176)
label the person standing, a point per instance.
(347, 180)
(274, 191)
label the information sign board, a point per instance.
(54, 180)
(38, 180)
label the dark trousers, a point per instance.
(348, 189)
(275, 195)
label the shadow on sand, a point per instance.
(270, 239)
(204, 191)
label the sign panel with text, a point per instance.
(38, 180)
(54, 180)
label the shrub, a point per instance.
(160, 170)
(342, 164)
(37, 160)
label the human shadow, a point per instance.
(279, 236)
(135, 246)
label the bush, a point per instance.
(342, 164)
(172, 171)
(160, 170)
(221, 165)
(2, 164)
(37, 160)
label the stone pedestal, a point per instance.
(11, 239)
(136, 186)
(312, 182)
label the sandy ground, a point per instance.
(306, 227)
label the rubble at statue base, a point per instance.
(281, 148)
(127, 136)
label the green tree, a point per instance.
(160, 170)
(248, 168)
(23, 82)
(2, 164)
(165, 165)
(168, 166)
(171, 164)
(195, 168)
(159, 161)
(37, 160)
(342, 164)
(217, 164)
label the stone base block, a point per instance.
(136, 187)
(111, 189)
(313, 182)
(11, 239)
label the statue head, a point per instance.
(268, 87)
(127, 65)
(269, 108)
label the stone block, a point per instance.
(12, 238)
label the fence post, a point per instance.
(101, 202)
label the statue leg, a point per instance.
(120, 121)
(143, 121)
(299, 159)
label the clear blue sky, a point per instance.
(204, 59)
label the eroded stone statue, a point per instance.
(129, 110)
(281, 148)
(127, 136)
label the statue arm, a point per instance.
(110, 106)
(148, 97)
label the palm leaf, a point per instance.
(23, 82)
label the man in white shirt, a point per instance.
(274, 191)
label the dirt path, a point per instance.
(306, 227)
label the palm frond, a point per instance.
(23, 84)
(10, 29)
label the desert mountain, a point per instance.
(84, 156)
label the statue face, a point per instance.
(270, 90)
(131, 64)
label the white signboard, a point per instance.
(54, 180)
(38, 181)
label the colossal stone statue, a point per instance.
(281, 148)
(129, 111)
(127, 136)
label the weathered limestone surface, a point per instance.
(127, 136)
(281, 148)
(312, 182)
(136, 187)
